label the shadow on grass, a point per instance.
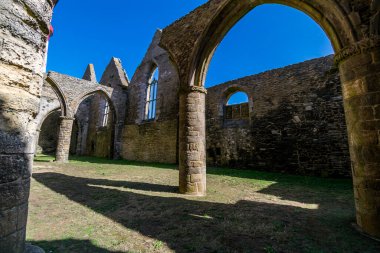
(192, 225)
(284, 179)
(70, 246)
(97, 160)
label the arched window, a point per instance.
(151, 96)
(238, 98)
(105, 114)
(237, 106)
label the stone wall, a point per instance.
(82, 118)
(296, 122)
(86, 99)
(116, 77)
(99, 141)
(155, 140)
(23, 32)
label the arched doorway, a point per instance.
(294, 85)
(48, 134)
(97, 119)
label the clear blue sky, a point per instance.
(92, 31)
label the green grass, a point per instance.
(99, 205)
(254, 177)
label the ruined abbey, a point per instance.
(319, 118)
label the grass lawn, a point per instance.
(96, 205)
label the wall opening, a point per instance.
(151, 96)
(237, 106)
(96, 119)
(48, 135)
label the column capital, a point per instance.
(363, 46)
(191, 89)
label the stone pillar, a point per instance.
(360, 75)
(64, 139)
(192, 141)
(23, 33)
(37, 137)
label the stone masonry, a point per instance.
(84, 101)
(23, 32)
(64, 138)
(296, 122)
(182, 52)
(353, 28)
(155, 140)
(115, 77)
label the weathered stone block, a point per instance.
(8, 221)
(377, 111)
(14, 193)
(14, 167)
(13, 243)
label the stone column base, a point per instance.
(356, 226)
(29, 248)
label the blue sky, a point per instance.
(92, 31)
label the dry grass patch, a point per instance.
(95, 205)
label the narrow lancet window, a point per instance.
(106, 112)
(151, 96)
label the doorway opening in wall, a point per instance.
(92, 132)
(96, 127)
(290, 117)
(48, 134)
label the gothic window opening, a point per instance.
(151, 97)
(106, 112)
(237, 107)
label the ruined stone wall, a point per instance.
(82, 117)
(85, 99)
(103, 142)
(116, 77)
(99, 139)
(154, 140)
(296, 122)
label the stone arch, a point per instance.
(113, 109)
(357, 48)
(82, 97)
(60, 95)
(41, 118)
(233, 89)
(329, 16)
